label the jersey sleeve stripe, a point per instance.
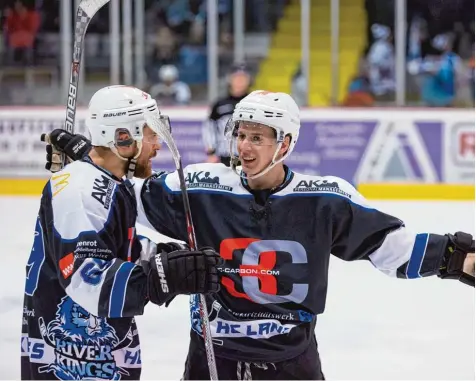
(119, 287)
(416, 258)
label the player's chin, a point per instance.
(251, 171)
(143, 169)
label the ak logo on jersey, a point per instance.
(82, 343)
(102, 191)
(319, 186)
(202, 179)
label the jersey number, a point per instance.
(257, 273)
(36, 260)
(93, 271)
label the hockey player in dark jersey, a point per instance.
(87, 276)
(239, 81)
(276, 230)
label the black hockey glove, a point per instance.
(174, 271)
(60, 141)
(460, 248)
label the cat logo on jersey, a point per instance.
(83, 344)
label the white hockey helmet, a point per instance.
(276, 110)
(116, 109)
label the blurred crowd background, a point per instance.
(439, 63)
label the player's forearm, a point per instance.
(406, 255)
(409, 256)
(109, 288)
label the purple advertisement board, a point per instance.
(359, 146)
(358, 151)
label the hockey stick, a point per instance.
(166, 135)
(86, 11)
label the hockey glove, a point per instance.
(173, 272)
(458, 262)
(60, 141)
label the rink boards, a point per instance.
(385, 153)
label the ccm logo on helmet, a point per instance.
(113, 114)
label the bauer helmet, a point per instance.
(276, 110)
(118, 111)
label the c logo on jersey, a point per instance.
(263, 262)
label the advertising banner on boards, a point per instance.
(370, 146)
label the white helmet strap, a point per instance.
(235, 161)
(132, 161)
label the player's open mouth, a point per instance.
(248, 159)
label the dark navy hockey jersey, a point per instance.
(83, 287)
(274, 281)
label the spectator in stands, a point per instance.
(166, 46)
(359, 93)
(21, 27)
(170, 91)
(439, 88)
(381, 61)
(417, 34)
(299, 87)
(165, 51)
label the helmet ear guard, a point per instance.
(123, 138)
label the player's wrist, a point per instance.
(459, 246)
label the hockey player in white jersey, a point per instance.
(87, 277)
(276, 230)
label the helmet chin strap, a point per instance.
(131, 167)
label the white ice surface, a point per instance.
(374, 327)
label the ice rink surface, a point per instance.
(374, 327)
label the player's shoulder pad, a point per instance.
(206, 178)
(82, 198)
(313, 185)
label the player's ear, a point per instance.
(285, 145)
